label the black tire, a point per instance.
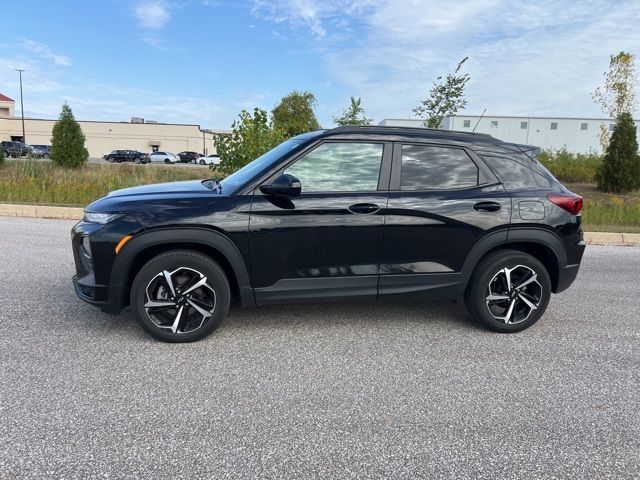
(180, 261)
(45, 156)
(202, 162)
(490, 271)
(138, 160)
(167, 161)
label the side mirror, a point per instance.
(283, 186)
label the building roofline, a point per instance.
(4, 98)
(532, 117)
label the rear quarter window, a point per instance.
(515, 174)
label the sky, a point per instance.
(203, 61)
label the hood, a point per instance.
(168, 188)
(171, 195)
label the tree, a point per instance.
(620, 170)
(353, 114)
(446, 97)
(294, 114)
(67, 142)
(618, 94)
(1, 156)
(250, 137)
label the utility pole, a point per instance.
(24, 138)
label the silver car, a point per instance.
(164, 157)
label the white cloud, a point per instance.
(45, 52)
(533, 57)
(152, 14)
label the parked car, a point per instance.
(212, 159)
(189, 157)
(352, 212)
(164, 157)
(18, 149)
(44, 150)
(127, 156)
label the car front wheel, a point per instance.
(509, 291)
(180, 296)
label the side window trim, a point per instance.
(383, 179)
(486, 176)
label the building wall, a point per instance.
(6, 108)
(103, 137)
(528, 130)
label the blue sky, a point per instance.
(202, 61)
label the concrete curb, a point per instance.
(72, 213)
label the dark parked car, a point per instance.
(127, 156)
(18, 149)
(353, 212)
(189, 157)
(44, 150)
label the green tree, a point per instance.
(294, 114)
(250, 137)
(1, 156)
(353, 114)
(67, 142)
(620, 170)
(618, 94)
(446, 97)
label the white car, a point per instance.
(212, 159)
(164, 157)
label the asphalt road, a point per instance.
(402, 390)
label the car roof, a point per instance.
(479, 140)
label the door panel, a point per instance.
(428, 234)
(321, 244)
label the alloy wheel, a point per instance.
(179, 301)
(513, 293)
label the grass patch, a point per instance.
(43, 183)
(571, 167)
(608, 212)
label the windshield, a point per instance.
(251, 170)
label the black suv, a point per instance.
(353, 212)
(189, 157)
(127, 156)
(18, 149)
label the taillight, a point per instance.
(569, 202)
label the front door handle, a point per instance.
(487, 206)
(364, 208)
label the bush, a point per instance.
(620, 171)
(67, 142)
(571, 167)
(251, 136)
(1, 156)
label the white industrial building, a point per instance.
(577, 135)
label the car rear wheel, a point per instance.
(509, 291)
(167, 161)
(138, 160)
(202, 162)
(180, 296)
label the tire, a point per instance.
(202, 162)
(138, 161)
(45, 156)
(167, 161)
(184, 267)
(490, 279)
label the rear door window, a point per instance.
(427, 167)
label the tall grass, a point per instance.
(571, 167)
(29, 181)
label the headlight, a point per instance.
(101, 218)
(86, 245)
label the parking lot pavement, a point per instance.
(393, 390)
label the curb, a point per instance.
(74, 213)
(40, 211)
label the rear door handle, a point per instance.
(364, 208)
(487, 206)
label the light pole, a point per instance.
(24, 138)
